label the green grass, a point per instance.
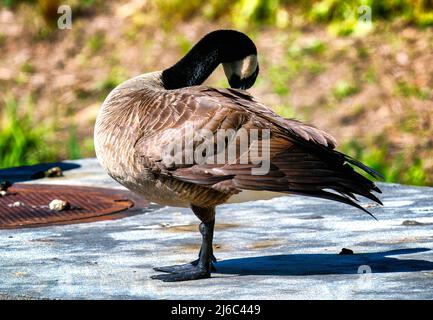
(343, 89)
(12, 3)
(394, 167)
(315, 68)
(27, 67)
(74, 144)
(22, 141)
(314, 47)
(279, 78)
(2, 39)
(369, 76)
(405, 89)
(96, 42)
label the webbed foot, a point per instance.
(191, 273)
(183, 267)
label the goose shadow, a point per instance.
(322, 264)
(33, 172)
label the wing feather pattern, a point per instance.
(303, 160)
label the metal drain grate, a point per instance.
(26, 205)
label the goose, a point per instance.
(144, 116)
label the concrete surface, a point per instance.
(284, 248)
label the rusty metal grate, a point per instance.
(87, 205)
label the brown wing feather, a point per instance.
(303, 159)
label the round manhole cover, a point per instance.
(27, 205)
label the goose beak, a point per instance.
(243, 84)
(247, 83)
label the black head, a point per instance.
(239, 59)
(242, 74)
(235, 50)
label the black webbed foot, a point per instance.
(193, 273)
(177, 268)
(183, 267)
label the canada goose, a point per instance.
(145, 114)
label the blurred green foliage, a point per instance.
(409, 90)
(22, 141)
(377, 156)
(344, 89)
(74, 144)
(343, 17)
(41, 3)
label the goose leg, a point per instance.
(199, 269)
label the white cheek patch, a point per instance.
(249, 65)
(243, 68)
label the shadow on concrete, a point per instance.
(27, 173)
(319, 264)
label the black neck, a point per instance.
(215, 48)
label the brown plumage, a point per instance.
(303, 159)
(141, 117)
